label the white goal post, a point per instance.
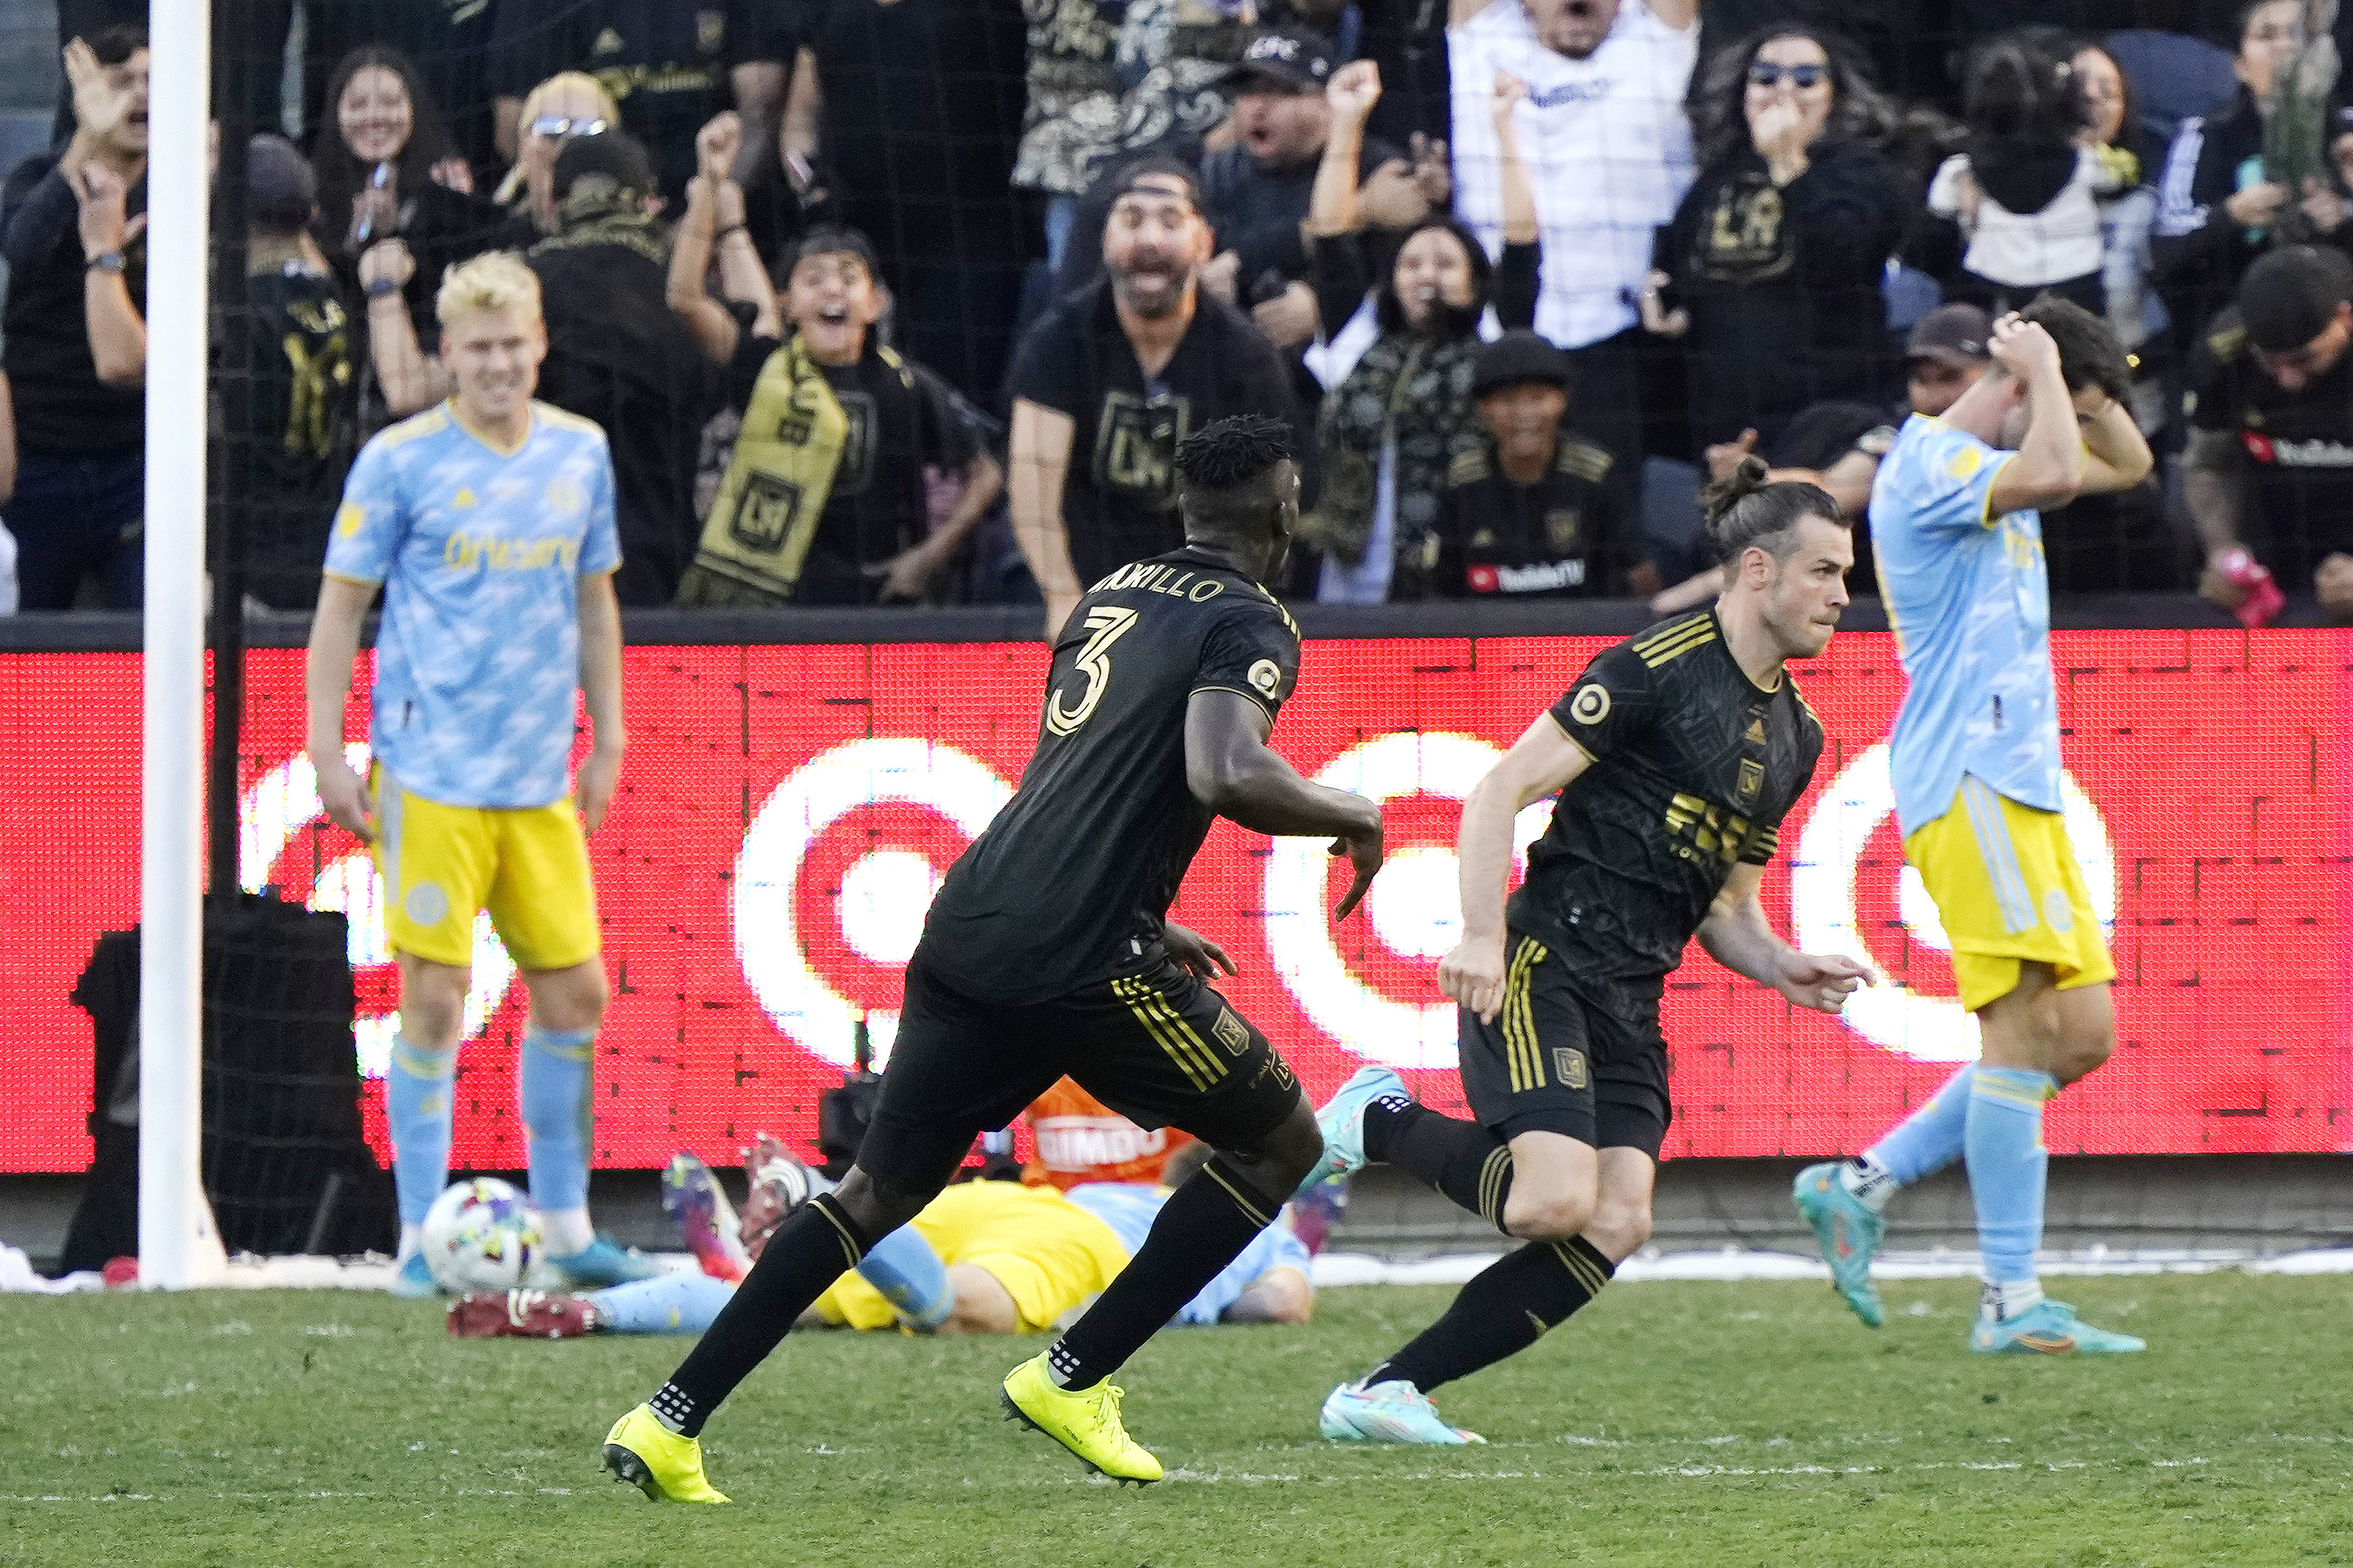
(179, 1246)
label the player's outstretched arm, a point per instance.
(1230, 770)
(1544, 761)
(1737, 935)
(326, 684)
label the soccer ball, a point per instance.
(480, 1235)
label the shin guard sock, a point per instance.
(416, 1112)
(1926, 1141)
(911, 1277)
(1502, 1312)
(553, 1091)
(1203, 1227)
(666, 1304)
(1462, 1160)
(2008, 1167)
(808, 1252)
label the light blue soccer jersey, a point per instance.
(1968, 596)
(1130, 1207)
(481, 553)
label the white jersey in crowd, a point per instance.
(1609, 150)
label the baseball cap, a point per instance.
(279, 189)
(2289, 294)
(1289, 60)
(1515, 359)
(616, 154)
(1155, 173)
(1954, 334)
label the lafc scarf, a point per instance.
(599, 211)
(1416, 390)
(777, 486)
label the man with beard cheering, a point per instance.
(1114, 377)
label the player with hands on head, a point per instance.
(488, 521)
(1675, 759)
(1956, 524)
(1048, 953)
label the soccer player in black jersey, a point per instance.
(1049, 951)
(1675, 756)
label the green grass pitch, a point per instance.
(1713, 1425)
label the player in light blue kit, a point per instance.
(1955, 518)
(488, 521)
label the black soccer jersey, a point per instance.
(1068, 886)
(1694, 767)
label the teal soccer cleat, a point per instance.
(1342, 1122)
(1848, 1233)
(1392, 1412)
(603, 1262)
(2048, 1328)
(413, 1280)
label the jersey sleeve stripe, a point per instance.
(1988, 518)
(1569, 738)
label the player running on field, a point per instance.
(1675, 757)
(488, 522)
(1955, 517)
(1047, 951)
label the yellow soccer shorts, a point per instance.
(2010, 892)
(1049, 1254)
(439, 864)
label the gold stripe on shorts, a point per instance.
(1201, 1072)
(1523, 1061)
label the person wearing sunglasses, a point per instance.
(1770, 273)
(567, 105)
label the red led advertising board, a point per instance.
(786, 810)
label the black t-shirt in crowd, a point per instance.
(1071, 883)
(61, 405)
(616, 355)
(299, 392)
(1119, 500)
(1561, 537)
(1257, 211)
(1694, 768)
(449, 41)
(901, 420)
(2296, 451)
(664, 62)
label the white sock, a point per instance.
(1871, 1182)
(412, 1237)
(2002, 1302)
(564, 1232)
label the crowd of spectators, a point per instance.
(909, 301)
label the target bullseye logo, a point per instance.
(885, 893)
(1413, 905)
(274, 812)
(1824, 899)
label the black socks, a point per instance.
(1201, 1228)
(1506, 1308)
(807, 1252)
(1460, 1158)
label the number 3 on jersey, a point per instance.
(1109, 622)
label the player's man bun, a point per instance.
(1232, 451)
(1746, 506)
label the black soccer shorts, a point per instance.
(1554, 1062)
(1158, 1047)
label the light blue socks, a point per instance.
(1929, 1139)
(666, 1304)
(912, 1278)
(553, 1091)
(2008, 1166)
(417, 1109)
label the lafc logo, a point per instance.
(1590, 705)
(1232, 1032)
(1568, 1067)
(1135, 446)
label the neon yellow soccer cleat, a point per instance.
(1083, 1420)
(655, 1460)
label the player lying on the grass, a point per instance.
(984, 1258)
(1048, 951)
(1675, 757)
(488, 521)
(1955, 519)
